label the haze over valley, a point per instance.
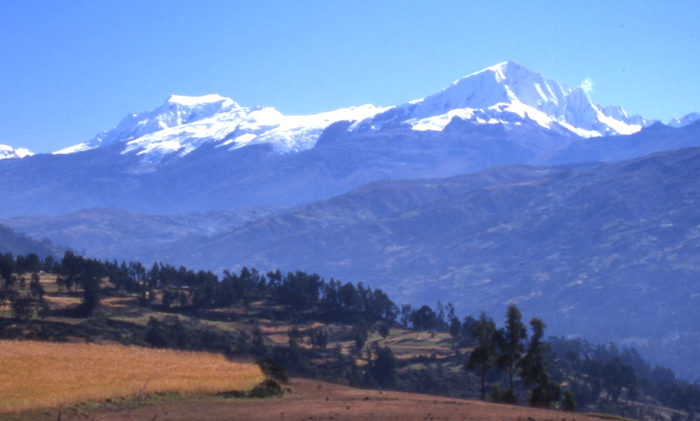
(505, 187)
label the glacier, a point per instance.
(182, 124)
(506, 93)
(241, 127)
(7, 152)
(511, 93)
(176, 111)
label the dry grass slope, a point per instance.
(38, 375)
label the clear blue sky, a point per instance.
(69, 69)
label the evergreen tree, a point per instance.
(21, 306)
(455, 327)
(440, 322)
(383, 329)
(318, 338)
(39, 304)
(348, 296)
(424, 319)
(483, 357)
(86, 273)
(534, 371)
(532, 365)
(7, 269)
(383, 367)
(405, 314)
(569, 404)
(510, 341)
(360, 335)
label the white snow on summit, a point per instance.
(7, 152)
(292, 133)
(176, 111)
(509, 92)
(183, 124)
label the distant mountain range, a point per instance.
(505, 93)
(210, 154)
(18, 243)
(504, 187)
(108, 233)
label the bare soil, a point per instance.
(312, 400)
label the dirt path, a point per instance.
(311, 400)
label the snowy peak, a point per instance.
(182, 124)
(506, 93)
(505, 83)
(199, 101)
(685, 120)
(7, 152)
(241, 127)
(176, 111)
(511, 93)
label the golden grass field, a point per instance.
(41, 375)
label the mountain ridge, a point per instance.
(205, 179)
(504, 93)
(177, 110)
(509, 88)
(8, 152)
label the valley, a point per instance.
(605, 251)
(505, 188)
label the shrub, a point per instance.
(268, 388)
(569, 404)
(273, 370)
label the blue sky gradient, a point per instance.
(70, 69)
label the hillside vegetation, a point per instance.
(302, 325)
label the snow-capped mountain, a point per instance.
(199, 154)
(195, 155)
(182, 124)
(176, 111)
(685, 120)
(506, 93)
(240, 127)
(511, 93)
(10, 152)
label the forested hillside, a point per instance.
(343, 332)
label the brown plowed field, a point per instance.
(311, 400)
